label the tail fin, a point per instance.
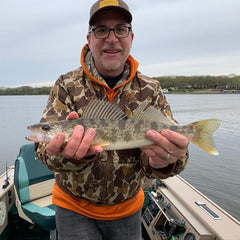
(203, 137)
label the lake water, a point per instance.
(218, 177)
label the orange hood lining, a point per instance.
(111, 93)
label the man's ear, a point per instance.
(88, 38)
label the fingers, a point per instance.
(74, 142)
(168, 147)
(55, 145)
(157, 157)
(179, 143)
(172, 142)
(72, 115)
(78, 145)
(84, 147)
(178, 139)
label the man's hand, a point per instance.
(78, 145)
(168, 147)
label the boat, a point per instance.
(173, 208)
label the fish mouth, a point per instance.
(32, 138)
(38, 138)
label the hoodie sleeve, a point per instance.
(159, 101)
(59, 105)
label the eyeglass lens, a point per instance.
(119, 31)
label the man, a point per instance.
(98, 193)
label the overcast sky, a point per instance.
(42, 39)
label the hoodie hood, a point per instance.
(111, 93)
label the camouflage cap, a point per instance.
(101, 5)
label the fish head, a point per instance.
(43, 132)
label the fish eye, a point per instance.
(45, 127)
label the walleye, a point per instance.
(114, 131)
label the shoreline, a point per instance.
(187, 91)
(204, 91)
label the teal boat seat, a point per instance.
(33, 186)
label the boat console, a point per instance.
(159, 219)
(176, 210)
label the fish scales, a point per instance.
(117, 134)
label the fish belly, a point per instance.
(120, 145)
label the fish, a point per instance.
(115, 131)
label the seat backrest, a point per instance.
(32, 178)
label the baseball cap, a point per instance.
(101, 5)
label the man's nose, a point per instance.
(112, 37)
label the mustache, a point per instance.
(111, 48)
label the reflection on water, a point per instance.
(216, 176)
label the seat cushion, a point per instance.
(38, 212)
(41, 189)
(34, 182)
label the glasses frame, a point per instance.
(109, 30)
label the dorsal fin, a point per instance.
(101, 109)
(150, 113)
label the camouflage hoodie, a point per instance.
(111, 177)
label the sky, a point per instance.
(42, 39)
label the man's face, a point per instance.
(110, 54)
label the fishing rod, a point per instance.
(6, 179)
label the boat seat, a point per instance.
(33, 186)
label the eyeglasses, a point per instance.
(102, 32)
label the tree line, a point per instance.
(25, 90)
(200, 82)
(173, 82)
